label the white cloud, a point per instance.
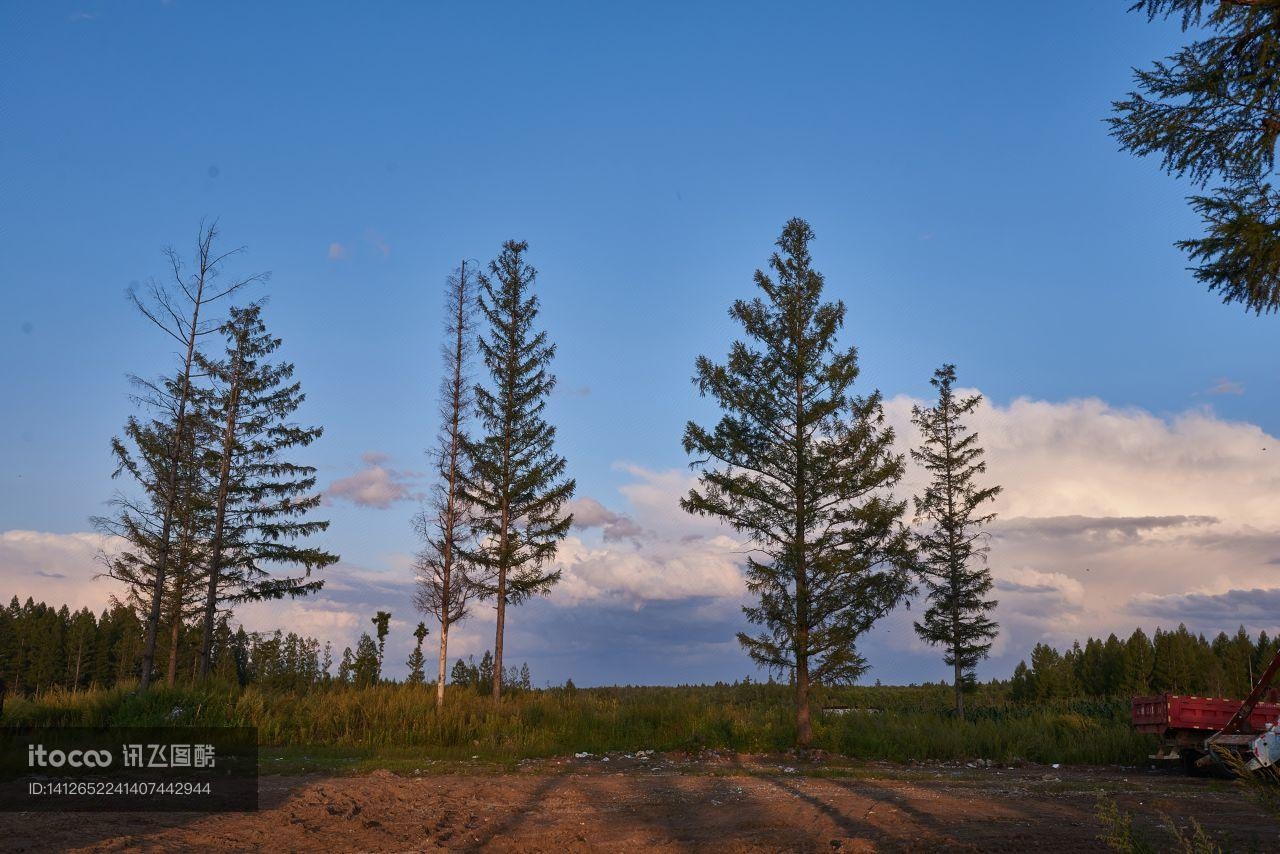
(589, 513)
(654, 553)
(628, 573)
(376, 485)
(1104, 508)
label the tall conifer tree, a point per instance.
(181, 310)
(951, 547)
(806, 470)
(515, 481)
(259, 499)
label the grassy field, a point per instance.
(334, 727)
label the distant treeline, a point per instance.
(44, 648)
(1175, 661)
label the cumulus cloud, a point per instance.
(677, 641)
(629, 574)
(657, 553)
(376, 485)
(1120, 508)
(589, 513)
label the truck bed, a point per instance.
(1164, 712)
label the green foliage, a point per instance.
(43, 648)
(161, 563)
(480, 676)
(804, 469)
(282, 661)
(1211, 112)
(347, 667)
(951, 547)
(366, 668)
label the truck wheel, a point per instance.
(1189, 758)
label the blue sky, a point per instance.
(968, 203)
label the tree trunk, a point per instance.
(444, 658)
(502, 614)
(219, 526)
(804, 726)
(804, 729)
(157, 594)
(959, 692)
(172, 678)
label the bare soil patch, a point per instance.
(677, 803)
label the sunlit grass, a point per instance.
(333, 727)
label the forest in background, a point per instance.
(47, 649)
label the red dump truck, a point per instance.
(1185, 724)
(1189, 728)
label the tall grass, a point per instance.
(892, 723)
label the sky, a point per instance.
(969, 207)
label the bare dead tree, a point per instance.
(444, 575)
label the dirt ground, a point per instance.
(628, 802)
